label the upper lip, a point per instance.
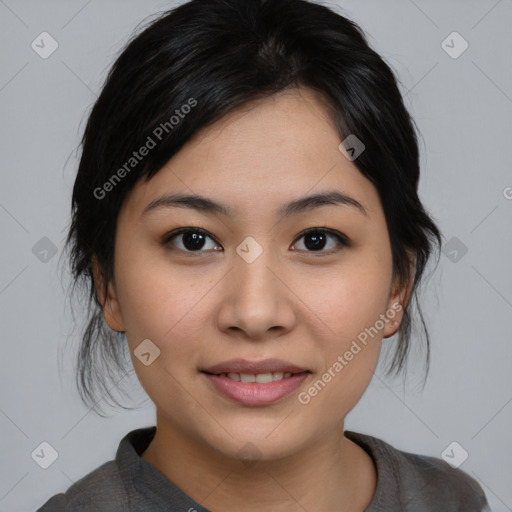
(254, 367)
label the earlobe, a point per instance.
(110, 302)
(394, 321)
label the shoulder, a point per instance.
(419, 483)
(433, 480)
(101, 489)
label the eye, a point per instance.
(316, 239)
(192, 239)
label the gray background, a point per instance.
(462, 107)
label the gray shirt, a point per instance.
(405, 482)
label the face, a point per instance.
(305, 287)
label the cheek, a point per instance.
(156, 299)
(350, 305)
(162, 305)
(350, 353)
(351, 300)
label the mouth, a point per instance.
(254, 383)
(260, 378)
(247, 367)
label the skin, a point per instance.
(292, 303)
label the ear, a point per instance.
(399, 299)
(110, 303)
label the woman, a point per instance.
(246, 218)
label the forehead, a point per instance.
(282, 147)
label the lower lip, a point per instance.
(254, 393)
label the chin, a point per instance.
(252, 440)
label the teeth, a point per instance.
(261, 378)
(264, 378)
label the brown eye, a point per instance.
(189, 240)
(315, 240)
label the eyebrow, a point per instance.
(204, 204)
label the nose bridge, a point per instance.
(252, 272)
(257, 299)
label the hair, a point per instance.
(216, 56)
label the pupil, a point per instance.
(316, 237)
(193, 240)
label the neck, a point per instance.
(331, 473)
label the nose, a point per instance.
(257, 303)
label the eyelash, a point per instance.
(342, 239)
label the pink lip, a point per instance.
(254, 367)
(254, 393)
